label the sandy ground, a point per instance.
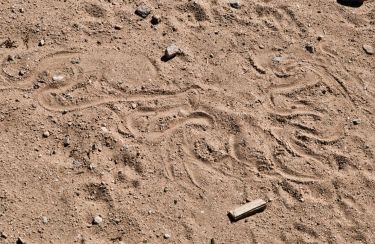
(272, 100)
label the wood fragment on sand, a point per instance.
(247, 209)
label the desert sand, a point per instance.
(105, 139)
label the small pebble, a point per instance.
(3, 235)
(142, 11)
(104, 129)
(118, 27)
(11, 58)
(75, 61)
(368, 49)
(277, 59)
(134, 105)
(41, 43)
(66, 141)
(356, 121)
(58, 78)
(167, 236)
(46, 134)
(235, 4)
(310, 48)
(45, 220)
(155, 20)
(171, 52)
(22, 72)
(20, 241)
(97, 220)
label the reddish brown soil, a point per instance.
(274, 100)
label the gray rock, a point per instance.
(142, 11)
(368, 49)
(97, 220)
(171, 52)
(235, 4)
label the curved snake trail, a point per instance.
(197, 114)
(291, 114)
(103, 101)
(59, 60)
(33, 74)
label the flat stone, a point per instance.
(142, 11)
(368, 49)
(247, 209)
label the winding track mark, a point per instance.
(294, 104)
(281, 18)
(188, 114)
(76, 75)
